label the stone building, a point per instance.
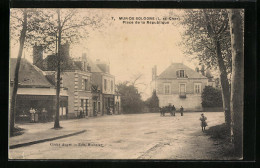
(179, 85)
(105, 84)
(75, 76)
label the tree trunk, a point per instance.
(224, 84)
(223, 71)
(16, 75)
(57, 123)
(237, 85)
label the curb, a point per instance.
(44, 140)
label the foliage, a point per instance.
(207, 35)
(130, 98)
(153, 102)
(197, 40)
(43, 26)
(211, 97)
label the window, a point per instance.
(99, 107)
(197, 87)
(105, 84)
(86, 84)
(180, 74)
(112, 87)
(166, 88)
(182, 89)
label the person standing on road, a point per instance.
(181, 110)
(173, 110)
(80, 112)
(203, 122)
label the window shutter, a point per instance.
(177, 74)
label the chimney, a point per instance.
(84, 56)
(154, 72)
(202, 70)
(65, 50)
(37, 54)
(197, 69)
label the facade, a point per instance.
(35, 91)
(105, 82)
(90, 84)
(179, 85)
(79, 91)
(75, 76)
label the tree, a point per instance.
(29, 22)
(51, 28)
(153, 101)
(130, 98)
(207, 36)
(211, 97)
(237, 87)
(68, 29)
(16, 75)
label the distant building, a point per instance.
(179, 85)
(35, 91)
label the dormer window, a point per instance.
(181, 74)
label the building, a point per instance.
(75, 76)
(35, 91)
(179, 85)
(90, 84)
(104, 82)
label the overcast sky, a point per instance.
(132, 48)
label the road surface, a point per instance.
(132, 136)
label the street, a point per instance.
(131, 136)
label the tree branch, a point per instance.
(223, 27)
(17, 18)
(209, 28)
(69, 16)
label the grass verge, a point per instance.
(222, 140)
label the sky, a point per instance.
(132, 48)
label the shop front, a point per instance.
(39, 108)
(108, 104)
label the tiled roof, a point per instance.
(170, 72)
(94, 67)
(29, 75)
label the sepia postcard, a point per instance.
(131, 83)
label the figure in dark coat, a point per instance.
(181, 110)
(203, 123)
(173, 110)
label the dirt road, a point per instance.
(133, 136)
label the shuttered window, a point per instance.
(180, 74)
